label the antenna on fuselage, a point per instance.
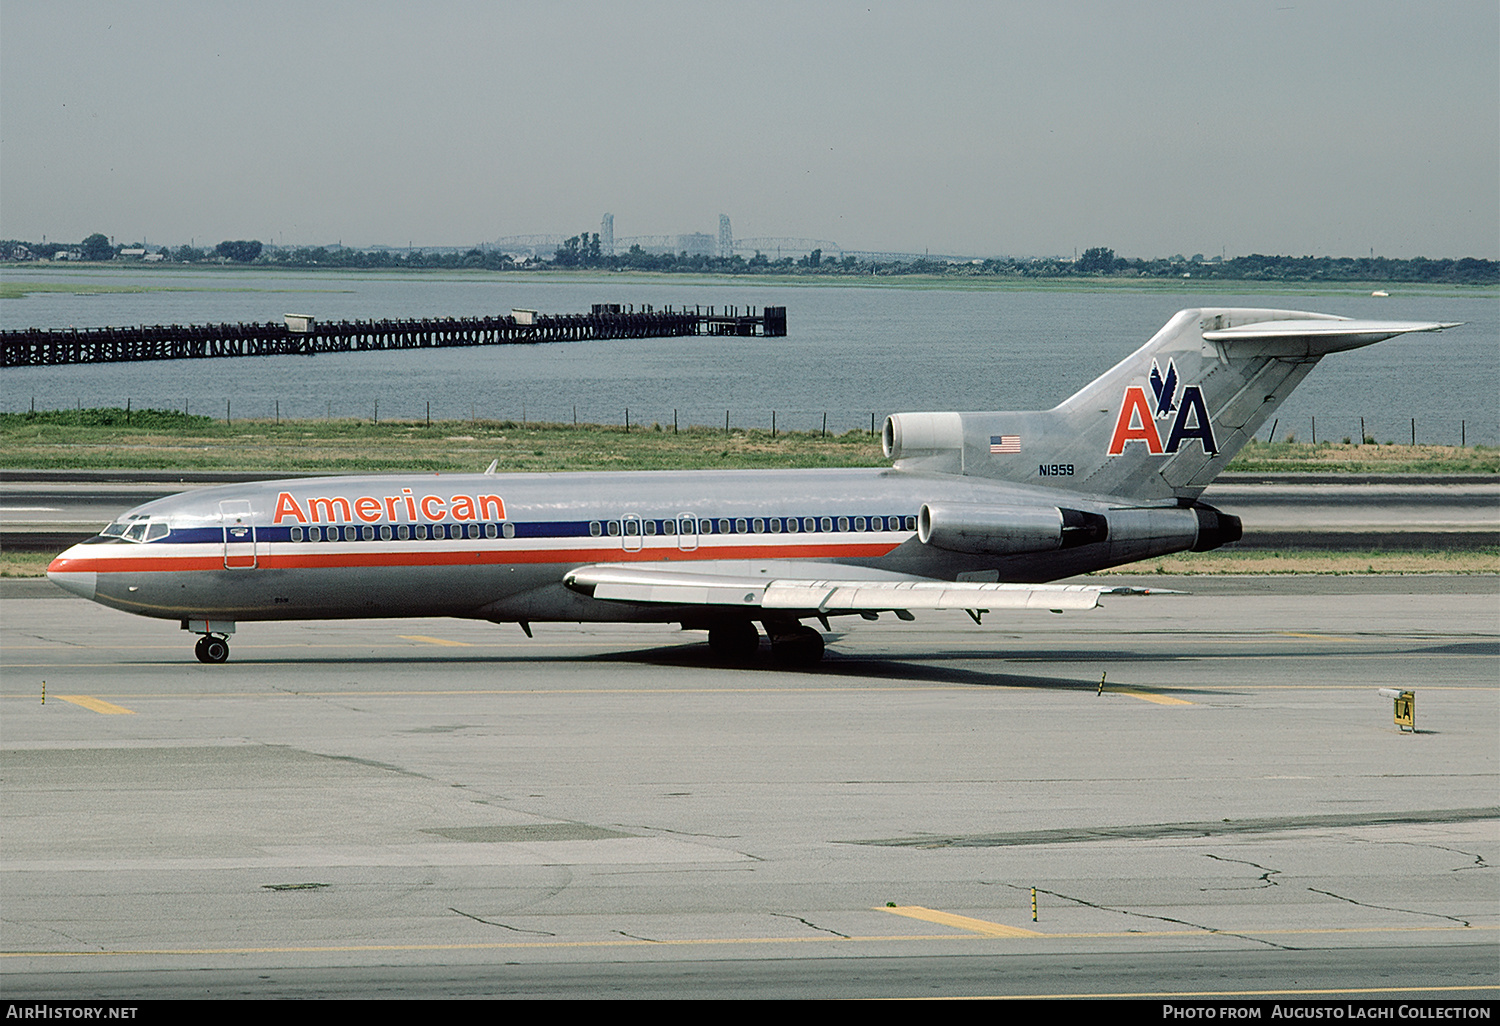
(491, 468)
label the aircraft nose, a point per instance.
(67, 573)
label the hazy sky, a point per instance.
(1290, 126)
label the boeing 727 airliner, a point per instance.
(977, 512)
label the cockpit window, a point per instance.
(143, 529)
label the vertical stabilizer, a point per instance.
(1160, 424)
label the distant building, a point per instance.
(726, 238)
(607, 235)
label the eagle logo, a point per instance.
(1165, 387)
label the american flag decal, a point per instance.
(1004, 443)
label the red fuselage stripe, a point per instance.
(466, 557)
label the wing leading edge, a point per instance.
(658, 585)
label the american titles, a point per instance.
(338, 509)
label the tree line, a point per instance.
(583, 251)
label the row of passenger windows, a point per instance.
(403, 532)
(747, 525)
(629, 527)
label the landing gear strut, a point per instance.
(212, 649)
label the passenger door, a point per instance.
(240, 549)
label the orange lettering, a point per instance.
(367, 509)
(1133, 407)
(488, 501)
(427, 512)
(286, 506)
(329, 505)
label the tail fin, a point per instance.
(1159, 425)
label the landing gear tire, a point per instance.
(211, 649)
(735, 642)
(801, 646)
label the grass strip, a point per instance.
(169, 440)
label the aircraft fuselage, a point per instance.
(497, 546)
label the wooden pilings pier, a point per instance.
(296, 336)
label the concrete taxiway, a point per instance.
(440, 807)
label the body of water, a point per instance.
(851, 351)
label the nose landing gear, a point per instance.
(213, 646)
(211, 649)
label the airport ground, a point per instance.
(445, 808)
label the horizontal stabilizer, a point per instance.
(1324, 335)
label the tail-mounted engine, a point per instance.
(1003, 530)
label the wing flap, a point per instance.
(661, 586)
(866, 596)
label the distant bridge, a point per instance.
(772, 244)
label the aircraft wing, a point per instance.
(667, 585)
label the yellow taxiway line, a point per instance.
(98, 705)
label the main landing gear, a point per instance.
(798, 646)
(211, 649)
(738, 641)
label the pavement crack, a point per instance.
(57, 641)
(679, 833)
(1265, 877)
(1392, 908)
(1479, 862)
(1161, 919)
(810, 926)
(70, 938)
(648, 940)
(503, 926)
